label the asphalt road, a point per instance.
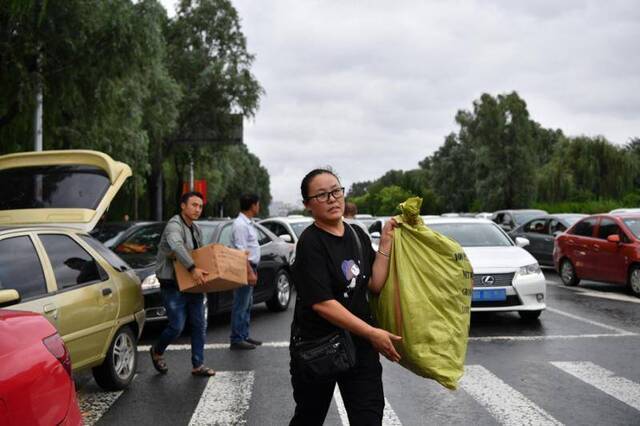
(577, 365)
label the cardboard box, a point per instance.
(227, 269)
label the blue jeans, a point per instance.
(179, 307)
(241, 313)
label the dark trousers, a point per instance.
(361, 389)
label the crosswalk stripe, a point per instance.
(94, 405)
(618, 387)
(337, 397)
(225, 399)
(145, 348)
(507, 405)
(389, 417)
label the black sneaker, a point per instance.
(241, 346)
(253, 341)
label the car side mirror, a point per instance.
(614, 238)
(556, 233)
(522, 242)
(286, 237)
(506, 226)
(375, 235)
(9, 297)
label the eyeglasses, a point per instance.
(323, 197)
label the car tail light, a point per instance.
(56, 346)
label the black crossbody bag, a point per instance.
(326, 357)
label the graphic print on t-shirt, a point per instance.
(351, 271)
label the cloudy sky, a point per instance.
(370, 86)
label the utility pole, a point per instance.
(37, 116)
(191, 181)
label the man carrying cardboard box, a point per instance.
(180, 236)
(245, 237)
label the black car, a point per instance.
(511, 219)
(110, 232)
(542, 231)
(139, 250)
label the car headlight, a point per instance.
(150, 282)
(534, 268)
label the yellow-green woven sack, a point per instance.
(426, 299)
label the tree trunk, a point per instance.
(155, 183)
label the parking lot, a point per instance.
(573, 366)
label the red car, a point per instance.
(36, 387)
(604, 247)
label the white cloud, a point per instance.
(370, 86)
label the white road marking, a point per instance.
(548, 337)
(225, 399)
(618, 387)
(342, 412)
(621, 333)
(506, 405)
(145, 348)
(595, 293)
(389, 417)
(588, 321)
(94, 405)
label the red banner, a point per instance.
(199, 185)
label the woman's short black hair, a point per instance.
(248, 200)
(304, 186)
(184, 198)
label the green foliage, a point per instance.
(122, 78)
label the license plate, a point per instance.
(489, 295)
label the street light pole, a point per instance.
(37, 117)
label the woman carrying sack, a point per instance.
(332, 339)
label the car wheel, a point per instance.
(282, 293)
(634, 280)
(529, 315)
(568, 273)
(119, 366)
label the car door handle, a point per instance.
(596, 247)
(106, 291)
(51, 310)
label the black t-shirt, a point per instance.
(328, 267)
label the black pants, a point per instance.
(361, 389)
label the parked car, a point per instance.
(624, 210)
(541, 233)
(601, 248)
(505, 276)
(511, 219)
(484, 215)
(36, 387)
(287, 228)
(49, 201)
(274, 270)
(108, 233)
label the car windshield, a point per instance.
(140, 248)
(55, 187)
(473, 234)
(634, 226)
(299, 227)
(526, 216)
